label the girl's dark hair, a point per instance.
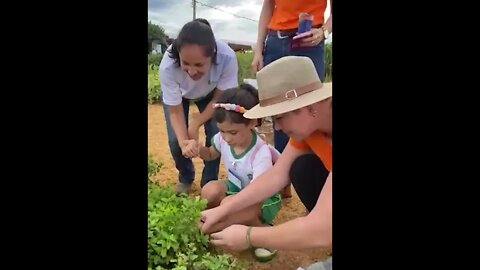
(245, 95)
(196, 32)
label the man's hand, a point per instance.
(232, 237)
(211, 218)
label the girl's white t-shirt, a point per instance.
(244, 167)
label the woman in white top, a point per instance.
(195, 69)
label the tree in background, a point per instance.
(155, 33)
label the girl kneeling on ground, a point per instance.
(245, 156)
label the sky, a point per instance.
(173, 14)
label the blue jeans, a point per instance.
(275, 48)
(185, 165)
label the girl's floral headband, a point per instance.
(230, 107)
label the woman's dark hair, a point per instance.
(196, 32)
(245, 95)
(203, 21)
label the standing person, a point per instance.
(196, 69)
(277, 25)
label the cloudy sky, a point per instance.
(173, 14)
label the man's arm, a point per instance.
(312, 231)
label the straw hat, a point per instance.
(287, 84)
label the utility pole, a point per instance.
(194, 8)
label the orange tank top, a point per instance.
(319, 145)
(285, 13)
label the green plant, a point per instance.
(244, 60)
(153, 166)
(154, 88)
(155, 33)
(328, 62)
(154, 59)
(172, 226)
(174, 240)
(219, 262)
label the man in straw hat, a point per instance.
(291, 92)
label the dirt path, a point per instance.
(292, 207)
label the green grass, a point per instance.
(244, 61)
